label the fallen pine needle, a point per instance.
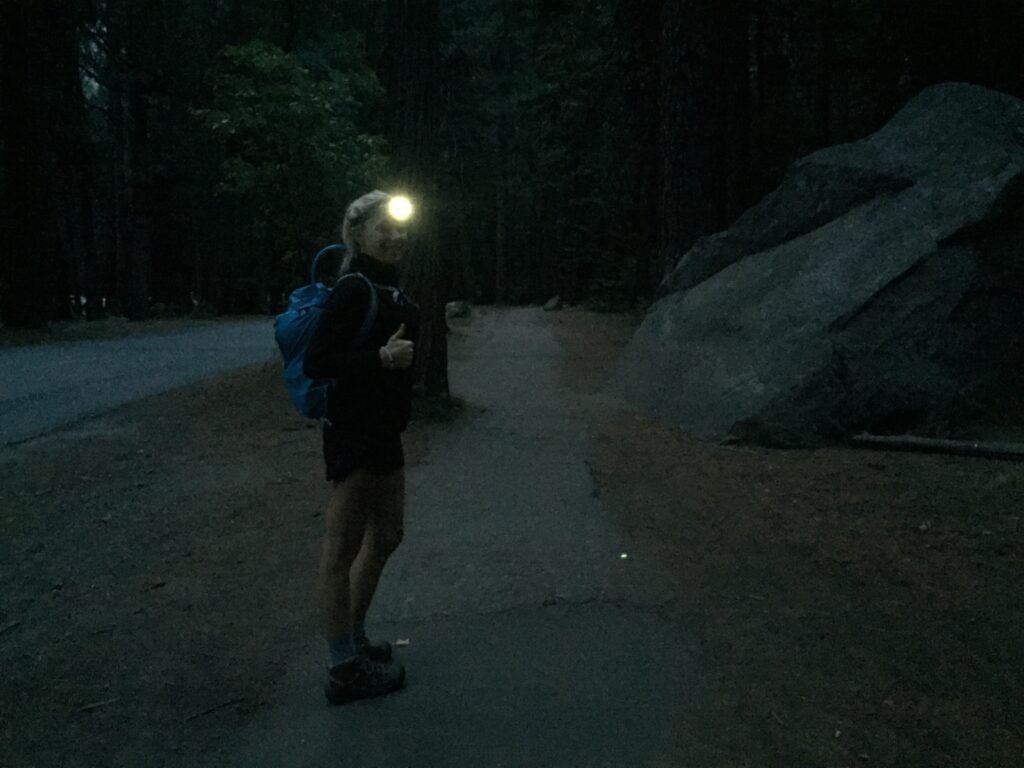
(214, 709)
(96, 705)
(8, 626)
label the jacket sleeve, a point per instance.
(330, 354)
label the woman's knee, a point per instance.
(387, 521)
(381, 541)
(337, 555)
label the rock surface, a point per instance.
(872, 290)
(455, 309)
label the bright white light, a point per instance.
(623, 555)
(400, 208)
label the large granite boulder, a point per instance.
(877, 288)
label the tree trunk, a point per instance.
(503, 62)
(826, 35)
(24, 236)
(640, 32)
(501, 282)
(127, 132)
(916, 444)
(683, 74)
(704, 119)
(40, 100)
(121, 229)
(413, 79)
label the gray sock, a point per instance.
(342, 649)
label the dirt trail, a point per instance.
(510, 584)
(778, 608)
(851, 607)
(163, 558)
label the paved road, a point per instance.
(49, 386)
(533, 643)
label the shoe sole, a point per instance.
(335, 696)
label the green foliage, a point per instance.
(289, 155)
(532, 131)
(196, 149)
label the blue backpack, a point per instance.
(293, 331)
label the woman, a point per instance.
(367, 411)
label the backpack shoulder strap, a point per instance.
(371, 310)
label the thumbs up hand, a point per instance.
(398, 352)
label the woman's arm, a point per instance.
(331, 353)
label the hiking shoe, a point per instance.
(360, 678)
(379, 652)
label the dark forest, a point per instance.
(730, 470)
(168, 158)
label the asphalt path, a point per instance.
(532, 641)
(49, 386)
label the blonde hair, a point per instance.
(358, 213)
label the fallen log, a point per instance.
(933, 445)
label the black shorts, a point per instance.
(346, 451)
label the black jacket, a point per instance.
(367, 398)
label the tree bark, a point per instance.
(413, 79)
(127, 110)
(705, 118)
(501, 282)
(121, 230)
(826, 35)
(41, 128)
(932, 445)
(640, 31)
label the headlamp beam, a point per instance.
(400, 208)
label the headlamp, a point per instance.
(400, 208)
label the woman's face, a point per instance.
(383, 238)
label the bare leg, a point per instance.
(347, 515)
(383, 535)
